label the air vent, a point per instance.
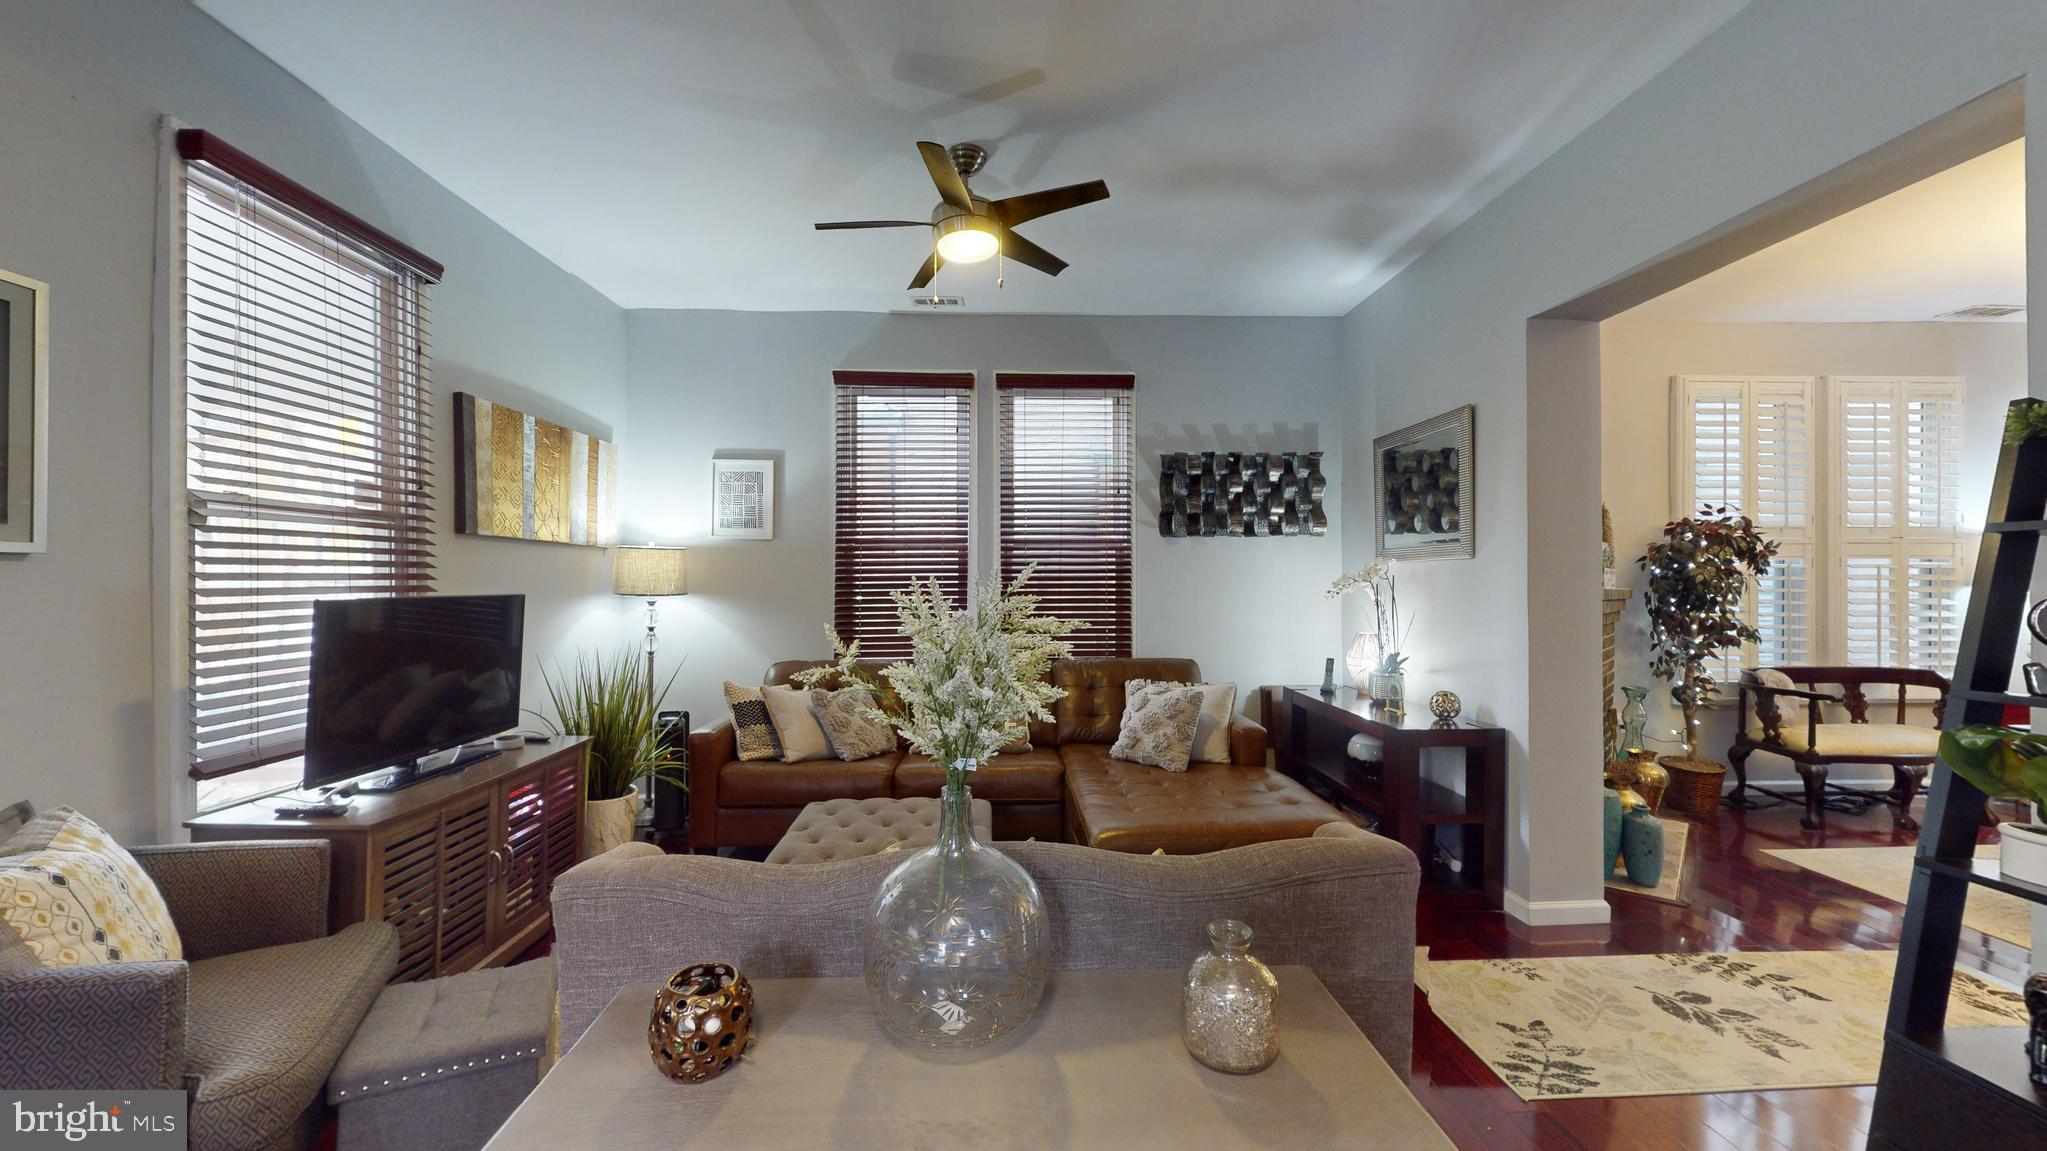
(939, 301)
(1985, 312)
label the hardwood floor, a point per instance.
(1740, 900)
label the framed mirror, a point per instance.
(24, 413)
(1426, 488)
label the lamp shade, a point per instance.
(646, 572)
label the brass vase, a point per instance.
(1651, 780)
(1620, 779)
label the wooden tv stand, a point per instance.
(461, 864)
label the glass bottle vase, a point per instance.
(958, 944)
(1231, 1013)
(1634, 720)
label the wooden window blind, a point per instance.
(1067, 458)
(903, 507)
(304, 353)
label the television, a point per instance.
(404, 682)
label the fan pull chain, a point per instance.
(934, 268)
(998, 268)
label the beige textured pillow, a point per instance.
(852, 734)
(752, 731)
(1212, 734)
(74, 898)
(801, 736)
(1158, 725)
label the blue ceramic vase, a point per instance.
(1642, 847)
(1613, 835)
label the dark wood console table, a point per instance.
(462, 864)
(1316, 729)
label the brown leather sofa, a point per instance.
(1065, 787)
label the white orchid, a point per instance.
(1381, 588)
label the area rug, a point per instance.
(1887, 871)
(1669, 883)
(1613, 1025)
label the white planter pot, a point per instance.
(2022, 852)
(608, 823)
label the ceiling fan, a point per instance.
(966, 228)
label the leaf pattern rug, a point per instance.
(1612, 1025)
(1887, 871)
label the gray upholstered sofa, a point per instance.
(249, 1023)
(1341, 903)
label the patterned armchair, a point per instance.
(1813, 745)
(249, 1023)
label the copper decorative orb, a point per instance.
(1445, 705)
(702, 1022)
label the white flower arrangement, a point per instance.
(1382, 590)
(976, 675)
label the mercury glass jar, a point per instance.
(1231, 1020)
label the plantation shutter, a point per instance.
(1746, 443)
(1899, 520)
(1067, 457)
(902, 507)
(304, 354)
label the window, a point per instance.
(306, 473)
(1065, 500)
(1887, 523)
(903, 508)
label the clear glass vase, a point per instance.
(1231, 1016)
(958, 945)
(1634, 720)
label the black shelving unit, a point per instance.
(1941, 1087)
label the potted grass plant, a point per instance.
(2000, 761)
(614, 704)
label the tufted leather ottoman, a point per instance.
(1124, 806)
(851, 828)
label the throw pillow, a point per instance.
(752, 730)
(1212, 735)
(846, 724)
(796, 728)
(72, 897)
(1158, 725)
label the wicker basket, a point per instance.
(1694, 784)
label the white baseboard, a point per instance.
(1556, 912)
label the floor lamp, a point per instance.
(653, 573)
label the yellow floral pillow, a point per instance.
(74, 897)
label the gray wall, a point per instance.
(736, 383)
(1781, 94)
(84, 86)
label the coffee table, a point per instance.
(1101, 1065)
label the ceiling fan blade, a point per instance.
(1017, 248)
(951, 188)
(925, 273)
(843, 224)
(1030, 205)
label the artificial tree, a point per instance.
(1698, 573)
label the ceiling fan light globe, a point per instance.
(965, 239)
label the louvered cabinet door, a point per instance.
(466, 843)
(408, 861)
(522, 845)
(562, 789)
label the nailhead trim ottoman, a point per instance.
(439, 1064)
(851, 828)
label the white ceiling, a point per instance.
(1283, 157)
(1954, 240)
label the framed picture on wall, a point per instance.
(1427, 490)
(24, 413)
(743, 499)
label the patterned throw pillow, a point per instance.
(853, 734)
(1158, 725)
(1212, 735)
(751, 728)
(72, 897)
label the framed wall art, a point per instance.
(522, 478)
(24, 414)
(1427, 491)
(743, 499)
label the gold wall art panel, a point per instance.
(520, 477)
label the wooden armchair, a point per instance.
(1815, 745)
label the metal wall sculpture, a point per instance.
(1241, 494)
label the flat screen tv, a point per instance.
(397, 680)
